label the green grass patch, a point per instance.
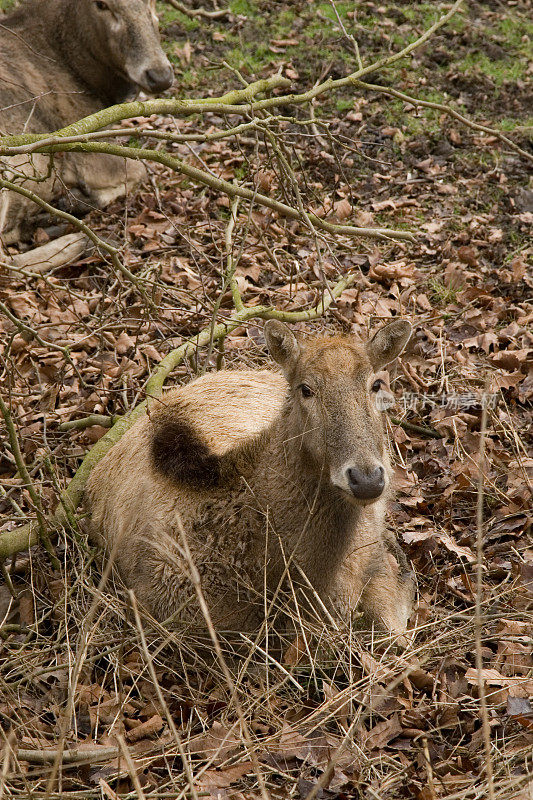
(342, 8)
(442, 294)
(507, 124)
(516, 32)
(243, 7)
(499, 70)
(167, 15)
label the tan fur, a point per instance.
(276, 499)
(60, 61)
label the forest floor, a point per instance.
(408, 723)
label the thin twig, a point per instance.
(478, 614)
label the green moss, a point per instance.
(517, 32)
(510, 124)
(423, 14)
(286, 19)
(342, 9)
(343, 103)
(243, 7)
(168, 15)
(499, 70)
(442, 294)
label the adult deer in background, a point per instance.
(61, 60)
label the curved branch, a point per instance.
(237, 101)
(415, 101)
(230, 189)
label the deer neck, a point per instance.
(313, 518)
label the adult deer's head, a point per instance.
(123, 35)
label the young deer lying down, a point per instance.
(260, 470)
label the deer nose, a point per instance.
(366, 485)
(159, 78)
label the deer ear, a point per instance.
(282, 343)
(388, 343)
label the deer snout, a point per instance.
(366, 485)
(158, 79)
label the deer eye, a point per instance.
(101, 6)
(376, 386)
(306, 390)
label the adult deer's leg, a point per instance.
(97, 179)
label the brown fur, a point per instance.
(61, 60)
(273, 487)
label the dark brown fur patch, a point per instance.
(179, 453)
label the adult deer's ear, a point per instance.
(388, 343)
(282, 344)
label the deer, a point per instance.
(60, 61)
(263, 472)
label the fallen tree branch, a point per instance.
(238, 101)
(88, 422)
(199, 12)
(421, 430)
(232, 189)
(68, 756)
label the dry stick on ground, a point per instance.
(478, 617)
(88, 422)
(73, 756)
(199, 12)
(24, 537)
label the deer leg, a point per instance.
(377, 581)
(15, 209)
(388, 594)
(99, 179)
